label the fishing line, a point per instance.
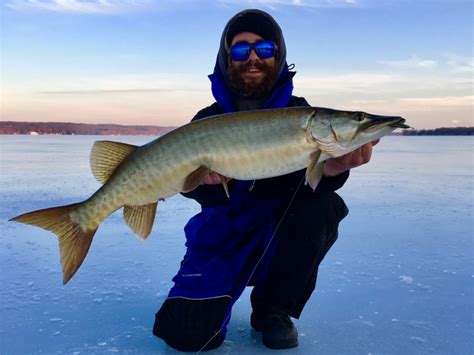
(259, 260)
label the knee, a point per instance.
(315, 219)
(331, 210)
(191, 325)
(316, 210)
(329, 205)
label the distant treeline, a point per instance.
(67, 128)
(442, 131)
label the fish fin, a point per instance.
(74, 240)
(225, 186)
(314, 171)
(140, 218)
(106, 156)
(194, 179)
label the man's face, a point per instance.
(253, 77)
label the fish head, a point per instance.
(339, 132)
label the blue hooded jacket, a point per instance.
(231, 243)
(228, 243)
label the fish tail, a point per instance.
(74, 238)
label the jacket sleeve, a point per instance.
(286, 184)
(333, 183)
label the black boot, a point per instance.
(278, 331)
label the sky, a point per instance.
(146, 62)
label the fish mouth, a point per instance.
(399, 124)
(377, 122)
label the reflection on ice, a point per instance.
(399, 280)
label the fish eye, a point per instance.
(359, 117)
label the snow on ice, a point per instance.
(398, 281)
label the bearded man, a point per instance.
(271, 233)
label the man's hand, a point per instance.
(214, 179)
(360, 156)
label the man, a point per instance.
(271, 233)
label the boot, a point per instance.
(278, 331)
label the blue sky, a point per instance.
(146, 62)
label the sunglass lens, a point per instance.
(240, 51)
(265, 49)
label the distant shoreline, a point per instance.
(69, 128)
(442, 131)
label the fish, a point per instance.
(245, 145)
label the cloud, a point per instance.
(455, 64)
(274, 4)
(81, 6)
(385, 84)
(114, 7)
(423, 103)
(460, 64)
(158, 82)
(345, 82)
(445, 102)
(158, 98)
(112, 91)
(414, 62)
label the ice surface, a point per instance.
(398, 281)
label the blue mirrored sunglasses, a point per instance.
(241, 51)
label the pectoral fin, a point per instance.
(224, 184)
(314, 171)
(140, 218)
(194, 179)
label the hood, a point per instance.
(258, 22)
(264, 25)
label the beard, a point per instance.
(257, 88)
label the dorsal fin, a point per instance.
(106, 156)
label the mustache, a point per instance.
(252, 64)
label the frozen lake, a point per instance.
(398, 281)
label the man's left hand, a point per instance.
(360, 156)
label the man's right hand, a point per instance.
(214, 179)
